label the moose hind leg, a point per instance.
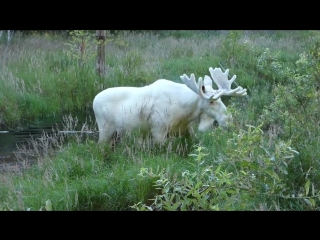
(106, 134)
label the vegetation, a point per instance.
(268, 159)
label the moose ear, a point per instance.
(207, 81)
(203, 89)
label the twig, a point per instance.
(72, 132)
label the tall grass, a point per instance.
(267, 160)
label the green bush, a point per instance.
(249, 175)
(295, 113)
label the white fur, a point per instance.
(160, 108)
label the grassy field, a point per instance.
(267, 160)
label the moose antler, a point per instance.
(221, 80)
(197, 87)
(191, 83)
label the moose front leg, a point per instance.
(158, 136)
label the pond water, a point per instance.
(10, 140)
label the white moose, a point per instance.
(164, 106)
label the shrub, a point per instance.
(247, 176)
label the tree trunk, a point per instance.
(101, 37)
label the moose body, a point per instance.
(161, 108)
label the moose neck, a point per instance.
(196, 105)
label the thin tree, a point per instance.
(101, 38)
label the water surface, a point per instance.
(11, 139)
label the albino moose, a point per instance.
(164, 106)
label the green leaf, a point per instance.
(231, 191)
(48, 205)
(307, 202)
(172, 196)
(217, 170)
(307, 186)
(215, 208)
(193, 155)
(312, 201)
(198, 185)
(175, 206)
(312, 189)
(272, 174)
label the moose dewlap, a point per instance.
(164, 106)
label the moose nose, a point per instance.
(227, 120)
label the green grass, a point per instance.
(84, 177)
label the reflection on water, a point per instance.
(9, 139)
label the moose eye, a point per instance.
(211, 102)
